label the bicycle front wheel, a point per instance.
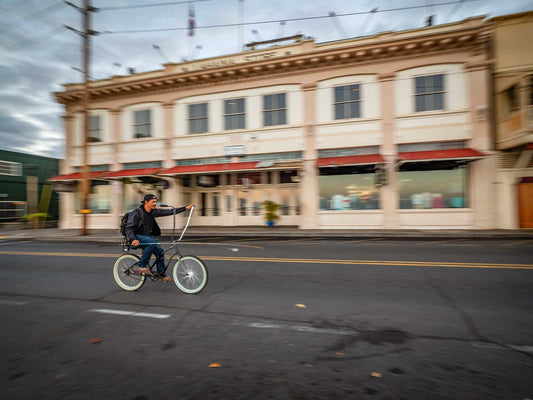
(190, 274)
(126, 275)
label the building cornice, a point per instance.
(473, 34)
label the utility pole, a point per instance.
(85, 34)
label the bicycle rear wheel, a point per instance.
(190, 274)
(125, 274)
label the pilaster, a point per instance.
(309, 180)
(388, 192)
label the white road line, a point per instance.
(13, 302)
(130, 313)
(302, 328)
(16, 242)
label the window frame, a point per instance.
(139, 135)
(10, 168)
(99, 137)
(463, 170)
(345, 102)
(231, 115)
(431, 92)
(277, 112)
(200, 118)
(512, 96)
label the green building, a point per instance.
(23, 185)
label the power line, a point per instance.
(277, 21)
(457, 6)
(148, 5)
(21, 3)
(36, 15)
(37, 39)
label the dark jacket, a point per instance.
(137, 217)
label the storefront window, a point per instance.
(348, 189)
(99, 197)
(423, 189)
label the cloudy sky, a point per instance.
(38, 55)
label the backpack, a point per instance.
(124, 221)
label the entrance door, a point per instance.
(525, 203)
(249, 207)
(210, 212)
(290, 207)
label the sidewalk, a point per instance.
(280, 232)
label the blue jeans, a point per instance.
(148, 250)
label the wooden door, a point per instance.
(525, 203)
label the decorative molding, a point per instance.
(387, 76)
(350, 52)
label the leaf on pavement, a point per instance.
(339, 353)
(95, 340)
(215, 365)
(376, 374)
(300, 305)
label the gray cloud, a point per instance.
(30, 120)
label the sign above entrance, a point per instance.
(234, 151)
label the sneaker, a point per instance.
(145, 271)
(165, 279)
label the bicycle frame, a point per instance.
(174, 247)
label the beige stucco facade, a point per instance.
(292, 157)
(513, 116)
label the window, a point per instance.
(274, 109)
(347, 102)
(198, 118)
(95, 129)
(288, 176)
(432, 185)
(348, 188)
(234, 114)
(429, 93)
(142, 126)
(10, 168)
(99, 197)
(147, 164)
(512, 97)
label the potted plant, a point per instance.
(270, 212)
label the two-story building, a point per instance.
(386, 131)
(513, 117)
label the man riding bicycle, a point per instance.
(141, 229)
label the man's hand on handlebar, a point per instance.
(135, 243)
(190, 206)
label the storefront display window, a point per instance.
(99, 197)
(423, 189)
(348, 188)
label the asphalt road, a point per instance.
(296, 319)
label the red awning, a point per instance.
(366, 159)
(529, 146)
(128, 173)
(432, 155)
(200, 169)
(76, 176)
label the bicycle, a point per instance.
(189, 273)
